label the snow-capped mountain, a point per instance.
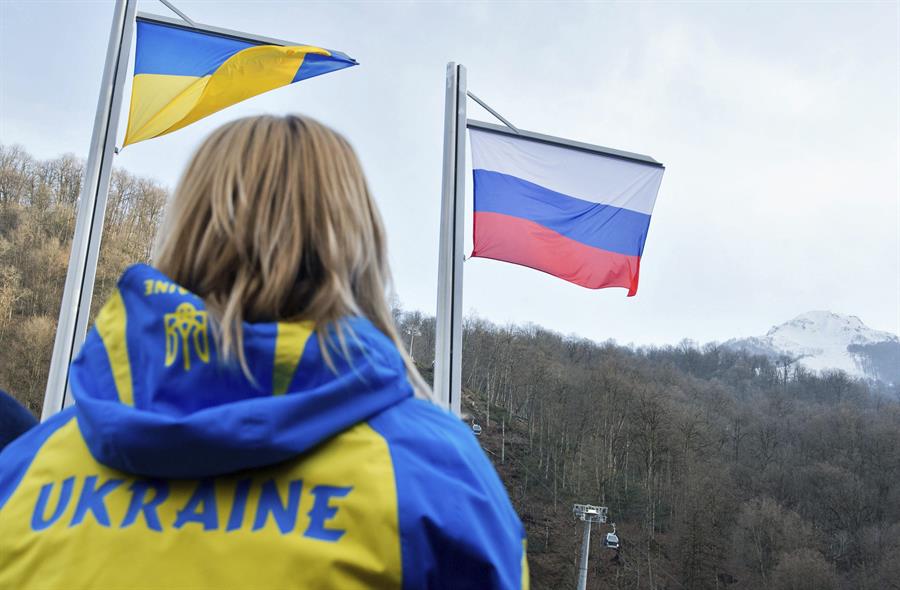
(826, 340)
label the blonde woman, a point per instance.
(246, 416)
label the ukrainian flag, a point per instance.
(182, 75)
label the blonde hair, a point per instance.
(273, 221)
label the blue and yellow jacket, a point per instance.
(173, 470)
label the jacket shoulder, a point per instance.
(14, 419)
(17, 457)
(426, 423)
(458, 526)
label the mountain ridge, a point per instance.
(824, 340)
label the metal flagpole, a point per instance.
(448, 332)
(76, 301)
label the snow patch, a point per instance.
(821, 340)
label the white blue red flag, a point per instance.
(578, 214)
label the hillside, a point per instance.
(37, 218)
(721, 469)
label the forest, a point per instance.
(721, 469)
(37, 218)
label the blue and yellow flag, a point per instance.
(182, 75)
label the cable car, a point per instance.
(611, 540)
(476, 429)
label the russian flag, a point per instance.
(579, 214)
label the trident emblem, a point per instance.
(180, 324)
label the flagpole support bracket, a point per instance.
(183, 16)
(486, 107)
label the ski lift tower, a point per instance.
(587, 514)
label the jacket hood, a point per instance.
(154, 399)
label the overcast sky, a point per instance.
(778, 124)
